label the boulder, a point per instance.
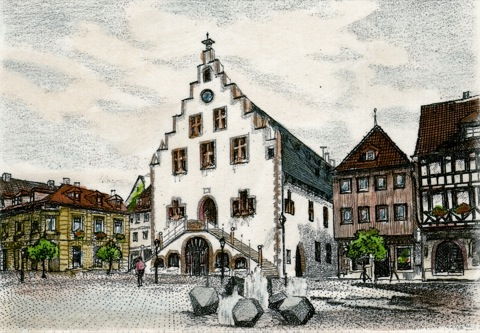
(276, 300)
(204, 300)
(246, 312)
(296, 310)
(233, 282)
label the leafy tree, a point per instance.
(133, 202)
(41, 251)
(109, 252)
(366, 243)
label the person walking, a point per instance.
(140, 269)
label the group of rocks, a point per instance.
(294, 310)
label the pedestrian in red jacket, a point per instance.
(140, 269)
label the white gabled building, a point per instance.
(227, 169)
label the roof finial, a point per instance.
(208, 42)
(375, 116)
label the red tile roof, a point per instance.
(440, 123)
(387, 153)
(85, 198)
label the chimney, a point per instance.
(466, 94)
(76, 184)
(326, 156)
(323, 150)
(66, 180)
(112, 192)
(50, 183)
(6, 176)
(332, 162)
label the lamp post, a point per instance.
(283, 219)
(222, 245)
(22, 272)
(156, 242)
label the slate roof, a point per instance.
(440, 124)
(14, 186)
(300, 162)
(87, 200)
(387, 153)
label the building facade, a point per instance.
(374, 188)
(447, 157)
(229, 172)
(139, 210)
(77, 219)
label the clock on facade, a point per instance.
(207, 95)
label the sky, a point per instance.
(87, 88)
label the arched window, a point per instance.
(218, 260)
(173, 260)
(325, 217)
(240, 263)
(207, 75)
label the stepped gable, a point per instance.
(440, 123)
(387, 153)
(299, 162)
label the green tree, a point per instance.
(41, 251)
(366, 243)
(109, 252)
(133, 202)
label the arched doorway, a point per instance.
(208, 211)
(299, 261)
(448, 258)
(196, 256)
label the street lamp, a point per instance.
(22, 272)
(222, 245)
(156, 242)
(282, 220)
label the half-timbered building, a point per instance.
(447, 157)
(230, 179)
(373, 188)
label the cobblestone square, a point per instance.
(114, 303)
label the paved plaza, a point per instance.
(102, 303)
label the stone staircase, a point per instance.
(268, 268)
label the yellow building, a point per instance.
(77, 219)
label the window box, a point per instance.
(79, 234)
(120, 237)
(100, 235)
(463, 208)
(439, 211)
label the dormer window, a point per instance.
(472, 131)
(99, 200)
(370, 155)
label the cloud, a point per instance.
(114, 76)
